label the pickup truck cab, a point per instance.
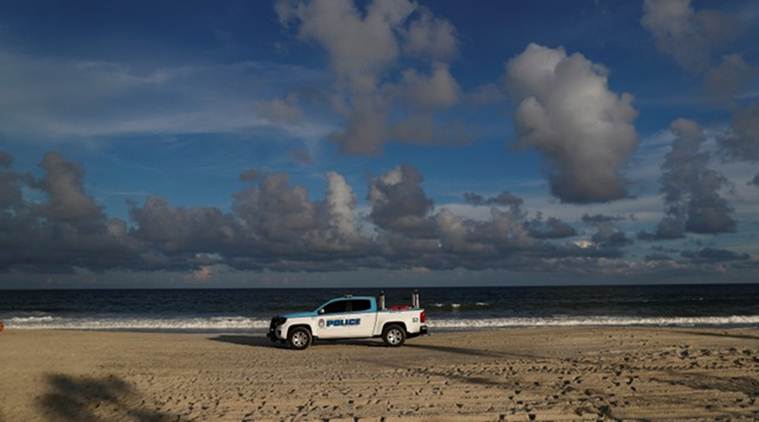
(350, 317)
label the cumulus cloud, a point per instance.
(550, 228)
(341, 207)
(741, 141)
(691, 189)
(729, 78)
(437, 90)
(687, 35)
(607, 235)
(274, 225)
(364, 47)
(186, 230)
(715, 254)
(67, 201)
(503, 198)
(431, 37)
(566, 112)
(66, 228)
(398, 201)
(601, 218)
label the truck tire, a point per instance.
(394, 335)
(299, 338)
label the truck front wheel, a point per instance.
(299, 338)
(394, 335)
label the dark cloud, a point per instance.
(656, 256)
(506, 199)
(550, 228)
(66, 229)
(273, 225)
(715, 254)
(610, 237)
(741, 141)
(601, 218)
(691, 189)
(186, 230)
(399, 202)
(566, 111)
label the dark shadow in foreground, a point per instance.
(88, 399)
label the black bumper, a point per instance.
(423, 331)
(275, 323)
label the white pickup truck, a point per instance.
(351, 317)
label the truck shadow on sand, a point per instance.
(255, 341)
(259, 341)
(90, 399)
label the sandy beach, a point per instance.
(510, 374)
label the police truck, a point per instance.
(351, 317)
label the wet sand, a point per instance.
(515, 374)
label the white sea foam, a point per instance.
(257, 324)
(189, 324)
(594, 321)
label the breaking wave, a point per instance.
(241, 323)
(178, 324)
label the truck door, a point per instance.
(362, 315)
(329, 317)
(346, 318)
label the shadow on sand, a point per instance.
(255, 341)
(467, 351)
(90, 399)
(746, 385)
(260, 341)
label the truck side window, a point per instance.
(335, 307)
(360, 305)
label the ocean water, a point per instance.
(450, 308)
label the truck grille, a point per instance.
(276, 321)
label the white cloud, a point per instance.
(567, 112)
(431, 37)
(364, 46)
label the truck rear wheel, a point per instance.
(299, 338)
(394, 335)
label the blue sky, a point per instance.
(176, 100)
